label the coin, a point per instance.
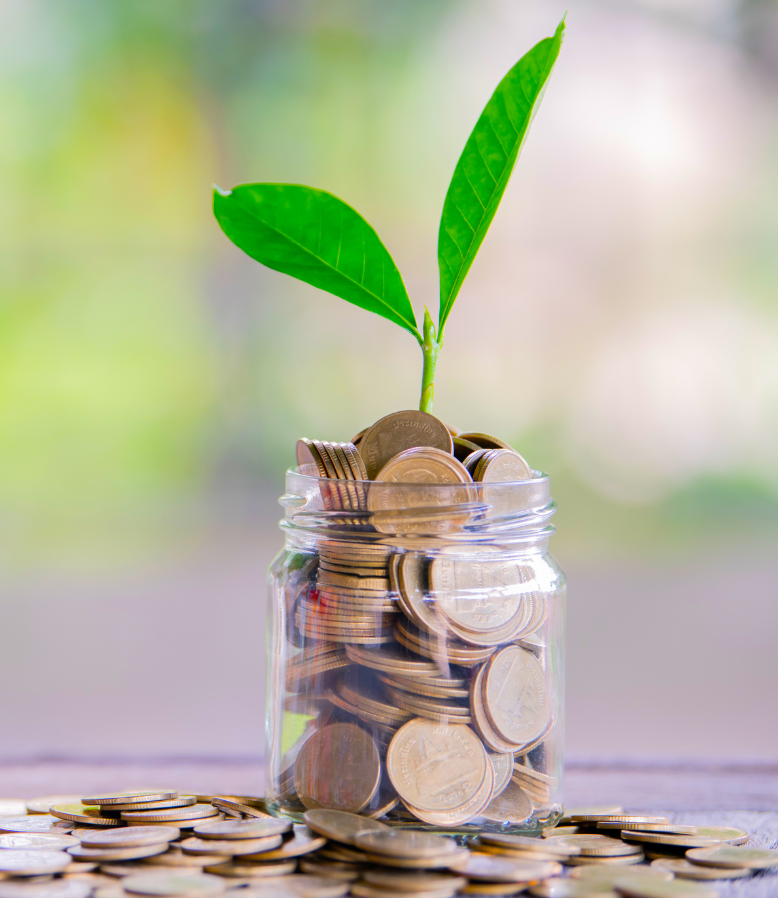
(512, 806)
(503, 869)
(42, 805)
(14, 807)
(684, 869)
(340, 825)
(311, 886)
(614, 860)
(559, 850)
(503, 769)
(400, 431)
(723, 833)
(618, 818)
(330, 869)
(436, 767)
(107, 854)
(35, 823)
(676, 888)
(243, 829)
(675, 829)
(37, 841)
(338, 767)
(180, 802)
(174, 857)
(570, 888)
(609, 874)
(406, 844)
(606, 810)
(732, 856)
(77, 813)
(55, 888)
(124, 797)
(240, 870)
(413, 881)
(365, 890)
(596, 845)
(302, 841)
(501, 466)
(194, 845)
(19, 862)
(478, 592)
(481, 722)
(128, 837)
(516, 699)
(680, 841)
(391, 659)
(162, 885)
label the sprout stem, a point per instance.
(430, 348)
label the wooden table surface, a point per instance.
(742, 795)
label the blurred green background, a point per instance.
(620, 326)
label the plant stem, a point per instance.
(430, 347)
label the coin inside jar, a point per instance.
(400, 431)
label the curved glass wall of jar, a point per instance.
(417, 655)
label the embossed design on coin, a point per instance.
(399, 431)
(435, 767)
(515, 695)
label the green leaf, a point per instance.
(317, 238)
(486, 163)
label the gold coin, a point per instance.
(503, 869)
(512, 806)
(433, 687)
(732, 856)
(560, 831)
(330, 578)
(405, 844)
(174, 857)
(398, 432)
(53, 888)
(243, 829)
(570, 888)
(679, 841)
(723, 833)
(616, 818)
(101, 855)
(526, 843)
(126, 837)
(481, 722)
(182, 801)
(79, 814)
(605, 809)
(162, 885)
(466, 812)
(391, 660)
(338, 767)
(436, 767)
(172, 815)
(413, 881)
(308, 887)
(477, 592)
(501, 466)
(493, 888)
(230, 847)
(40, 805)
(355, 460)
(301, 841)
(19, 862)
(596, 845)
(484, 440)
(425, 863)
(607, 874)
(679, 866)
(330, 869)
(365, 890)
(670, 828)
(37, 841)
(516, 698)
(676, 888)
(35, 823)
(615, 860)
(124, 797)
(340, 826)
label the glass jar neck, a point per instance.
(428, 516)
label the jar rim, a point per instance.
(537, 478)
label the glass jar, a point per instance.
(416, 654)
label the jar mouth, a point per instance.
(363, 508)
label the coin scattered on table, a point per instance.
(733, 856)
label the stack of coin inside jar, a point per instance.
(414, 658)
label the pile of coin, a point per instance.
(334, 853)
(426, 666)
